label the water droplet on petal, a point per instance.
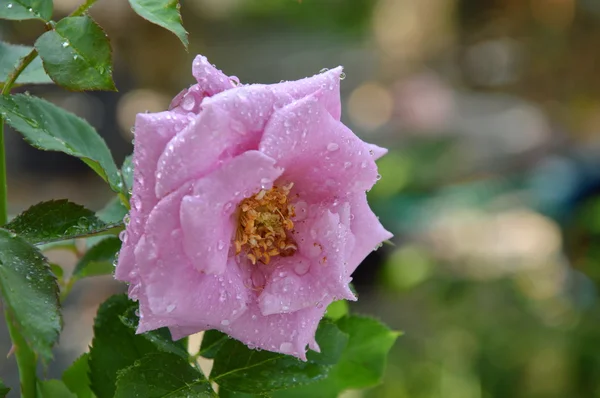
(323, 70)
(301, 267)
(286, 347)
(342, 76)
(171, 307)
(225, 322)
(332, 147)
(188, 102)
(221, 245)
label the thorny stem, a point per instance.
(25, 357)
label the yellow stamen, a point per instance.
(265, 225)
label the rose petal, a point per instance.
(285, 333)
(178, 294)
(316, 272)
(232, 122)
(321, 155)
(152, 132)
(206, 216)
(366, 228)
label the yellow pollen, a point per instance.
(265, 225)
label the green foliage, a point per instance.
(162, 375)
(53, 389)
(3, 389)
(56, 220)
(99, 259)
(77, 378)
(164, 13)
(50, 128)
(212, 341)
(116, 346)
(361, 364)
(10, 54)
(240, 369)
(114, 212)
(77, 55)
(29, 292)
(26, 9)
(127, 171)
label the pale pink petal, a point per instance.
(328, 83)
(152, 132)
(366, 228)
(316, 272)
(206, 215)
(285, 333)
(376, 151)
(321, 155)
(177, 294)
(210, 82)
(232, 122)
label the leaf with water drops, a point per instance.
(50, 128)
(10, 54)
(77, 378)
(53, 389)
(77, 55)
(3, 389)
(26, 9)
(240, 369)
(163, 13)
(162, 375)
(29, 293)
(116, 346)
(99, 259)
(361, 364)
(127, 171)
(56, 220)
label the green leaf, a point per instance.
(224, 393)
(337, 310)
(26, 9)
(3, 389)
(77, 55)
(127, 171)
(10, 55)
(240, 369)
(160, 375)
(361, 365)
(56, 220)
(99, 259)
(116, 346)
(30, 293)
(77, 378)
(114, 211)
(164, 13)
(212, 341)
(48, 127)
(53, 389)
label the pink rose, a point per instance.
(248, 211)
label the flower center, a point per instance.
(265, 225)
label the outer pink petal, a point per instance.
(285, 333)
(206, 216)
(152, 132)
(210, 82)
(313, 274)
(177, 294)
(366, 228)
(328, 83)
(232, 122)
(321, 155)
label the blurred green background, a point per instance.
(491, 112)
